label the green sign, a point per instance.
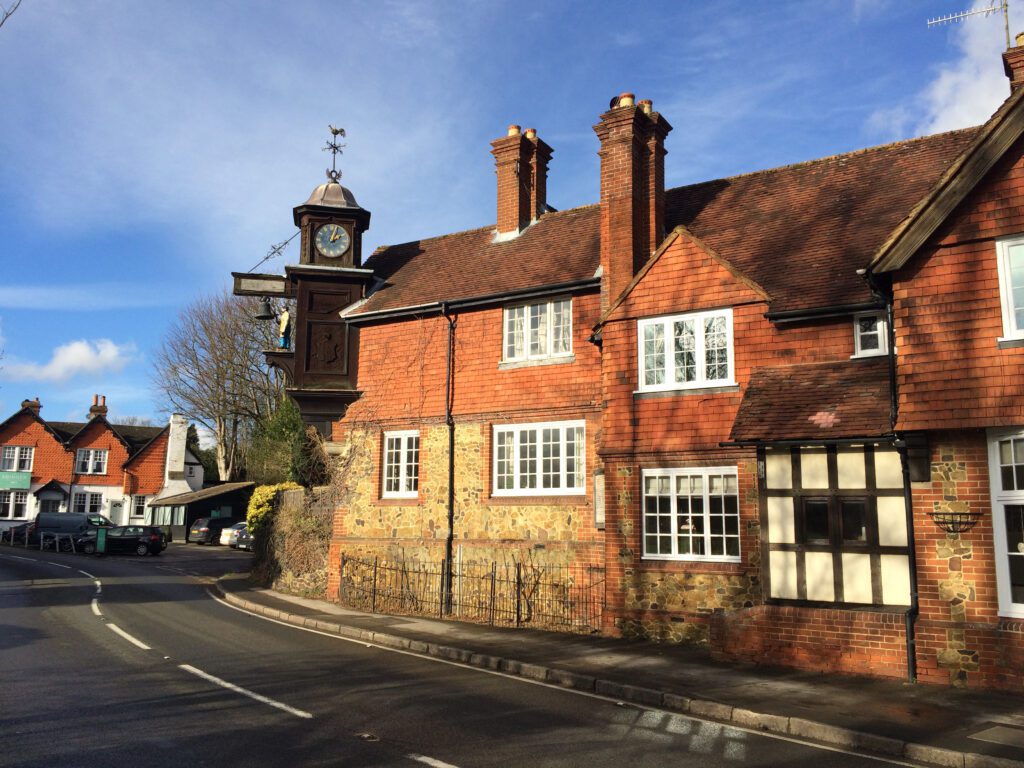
(15, 481)
(101, 540)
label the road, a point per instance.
(117, 661)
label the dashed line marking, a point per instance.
(19, 557)
(433, 762)
(59, 565)
(96, 607)
(133, 640)
(245, 691)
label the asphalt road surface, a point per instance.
(130, 661)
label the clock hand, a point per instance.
(337, 234)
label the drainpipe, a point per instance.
(449, 396)
(910, 617)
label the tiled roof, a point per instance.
(135, 436)
(562, 247)
(800, 231)
(803, 231)
(819, 401)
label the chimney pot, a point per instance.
(627, 99)
(647, 106)
(95, 399)
(1020, 38)
(513, 130)
(33, 405)
(531, 133)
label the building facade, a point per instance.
(781, 410)
(90, 467)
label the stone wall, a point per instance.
(294, 558)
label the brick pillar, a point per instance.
(1013, 63)
(632, 190)
(540, 156)
(512, 165)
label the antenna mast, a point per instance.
(953, 18)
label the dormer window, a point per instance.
(538, 331)
(686, 351)
(870, 336)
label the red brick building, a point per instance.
(93, 467)
(781, 411)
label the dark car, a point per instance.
(53, 524)
(244, 540)
(125, 539)
(206, 530)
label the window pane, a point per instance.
(505, 446)
(685, 351)
(528, 458)
(25, 459)
(1015, 545)
(561, 327)
(854, 519)
(1005, 451)
(816, 524)
(7, 461)
(538, 329)
(716, 351)
(654, 355)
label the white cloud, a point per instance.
(963, 92)
(76, 358)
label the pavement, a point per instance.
(924, 724)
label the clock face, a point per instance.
(332, 240)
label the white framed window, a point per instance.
(401, 465)
(91, 461)
(13, 505)
(88, 503)
(541, 459)
(1006, 477)
(870, 335)
(138, 506)
(691, 514)
(16, 458)
(1010, 262)
(538, 331)
(686, 351)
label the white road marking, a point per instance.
(134, 641)
(85, 573)
(96, 607)
(59, 565)
(528, 681)
(99, 586)
(19, 557)
(430, 761)
(245, 691)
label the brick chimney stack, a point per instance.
(99, 406)
(32, 405)
(632, 156)
(521, 164)
(1013, 63)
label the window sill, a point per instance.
(399, 501)
(868, 355)
(575, 500)
(1009, 342)
(506, 365)
(690, 559)
(643, 394)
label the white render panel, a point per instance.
(820, 576)
(778, 469)
(850, 467)
(783, 573)
(892, 521)
(895, 580)
(781, 520)
(888, 469)
(856, 578)
(813, 468)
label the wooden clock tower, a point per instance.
(321, 366)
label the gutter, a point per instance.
(817, 313)
(816, 440)
(449, 396)
(439, 307)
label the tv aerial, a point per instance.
(996, 7)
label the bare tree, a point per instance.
(6, 13)
(134, 421)
(210, 367)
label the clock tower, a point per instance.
(320, 368)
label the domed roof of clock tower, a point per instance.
(332, 195)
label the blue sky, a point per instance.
(147, 149)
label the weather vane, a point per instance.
(334, 148)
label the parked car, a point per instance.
(229, 536)
(122, 539)
(244, 540)
(206, 530)
(74, 523)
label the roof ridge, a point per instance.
(827, 158)
(485, 228)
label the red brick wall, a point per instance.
(948, 314)
(50, 460)
(98, 435)
(144, 476)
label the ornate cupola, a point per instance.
(331, 220)
(320, 367)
